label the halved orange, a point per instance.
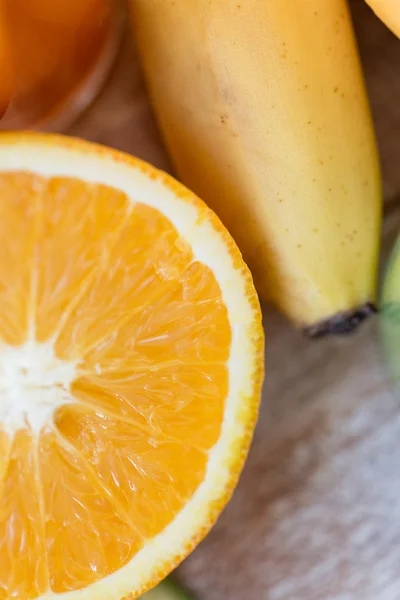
(131, 361)
(6, 64)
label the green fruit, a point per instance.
(166, 590)
(390, 316)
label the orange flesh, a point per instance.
(53, 45)
(119, 291)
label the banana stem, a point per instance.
(341, 323)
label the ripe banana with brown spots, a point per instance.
(263, 109)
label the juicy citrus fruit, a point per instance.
(130, 370)
(6, 65)
(53, 48)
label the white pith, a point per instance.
(33, 383)
(208, 247)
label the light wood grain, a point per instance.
(316, 515)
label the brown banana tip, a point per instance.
(341, 323)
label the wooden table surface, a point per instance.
(316, 515)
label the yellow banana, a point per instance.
(264, 111)
(389, 12)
